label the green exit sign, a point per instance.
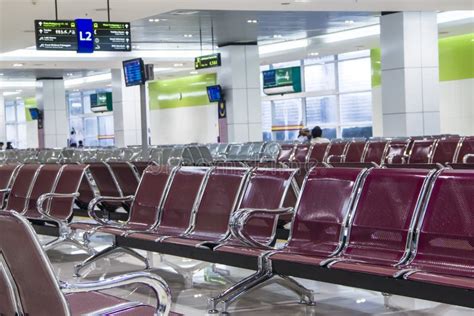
(208, 61)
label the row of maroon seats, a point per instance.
(451, 150)
(195, 203)
(403, 229)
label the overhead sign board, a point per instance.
(208, 61)
(55, 35)
(112, 36)
(85, 36)
(64, 35)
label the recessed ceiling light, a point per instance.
(188, 35)
(314, 54)
(194, 72)
(156, 20)
(349, 21)
(18, 65)
(178, 65)
(1, 74)
(136, 47)
(277, 36)
(252, 21)
(19, 91)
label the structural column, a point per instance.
(240, 79)
(126, 104)
(51, 99)
(410, 75)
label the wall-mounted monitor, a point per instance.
(101, 102)
(35, 114)
(281, 81)
(215, 93)
(134, 71)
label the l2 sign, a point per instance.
(85, 35)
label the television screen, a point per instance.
(214, 93)
(134, 71)
(34, 113)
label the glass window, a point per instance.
(319, 77)
(106, 125)
(357, 132)
(330, 133)
(75, 104)
(321, 110)
(20, 112)
(11, 134)
(10, 114)
(356, 107)
(355, 75)
(266, 116)
(22, 136)
(287, 112)
(90, 131)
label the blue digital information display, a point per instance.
(85, 35)
(214, 93)
(134, 71)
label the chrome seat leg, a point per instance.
(242, 285)
(108, 252)
(306, 295)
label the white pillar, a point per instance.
(3, 127)
(240, 79)
(410, 75)
(126, 103)
(51, 99)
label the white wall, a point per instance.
(32, 134)
(3, 131)
(195, 124)
(457, 107)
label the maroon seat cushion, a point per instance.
(89, 302)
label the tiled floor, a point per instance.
(191, 299)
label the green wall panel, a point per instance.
(375, 61)
(456, 59)
(29, 104)
(180, 92)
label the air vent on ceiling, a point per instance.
(184, 12)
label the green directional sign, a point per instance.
(55, 35)
(208, 61)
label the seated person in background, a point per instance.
(1, 145)
(80, 144)
(9, 146)
(317, 134)
(304, 135)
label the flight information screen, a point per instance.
(134, 72)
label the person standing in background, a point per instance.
(317, 136)
(72, 139)
(9, 146)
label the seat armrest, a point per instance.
(100, 199)
(50, 196)
(5, 191)
(156, 283)
(469, 158)
(241, 217)
(336, 158)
